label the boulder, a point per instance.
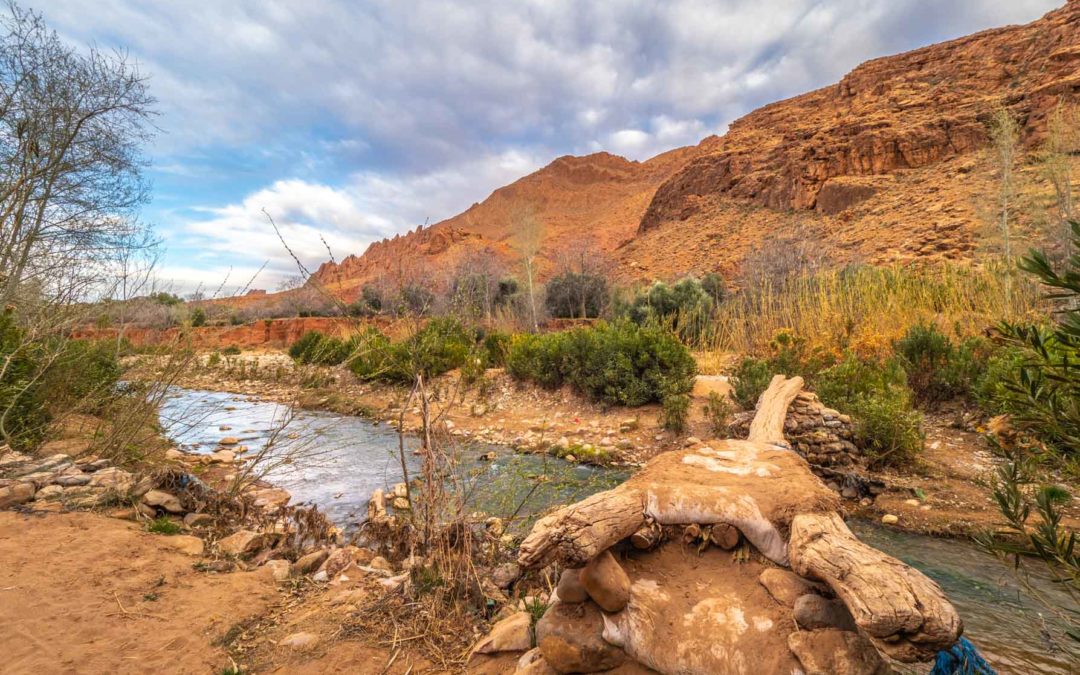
(72, 479)
(606, 582)
(279, 569)
(114, 479)
(185, 544)
(512, 634)
(812, 611)
(570, 639)
(229, 440)
(163, 500)
(836, 652)
(786, 587)
(380, 563)
(504, 575)
(174, 455)
(271, 497)
(223, 457)
(87, 496)
(16, 494)
(242, 543)
(570, 588)
(49, 492)
(310, 562)
(336, 562)
(198, 520)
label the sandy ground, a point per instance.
(85, 592)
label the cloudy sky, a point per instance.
(357, 120)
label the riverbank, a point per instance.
(947, 492)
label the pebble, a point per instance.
(890, 519)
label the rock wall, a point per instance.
(820, 434)
(275, 333)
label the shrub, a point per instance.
(302, 349)
(619, 363)
(992, 390)
(496, 348)
(926, 353)
(750, 380)
(675, 412)
(440, 346)
(717, 410)
(572, 295)
(198, 317)
(231, 350)
(887, 427)
(163, 525)
(684, 307)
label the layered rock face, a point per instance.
(895, 113)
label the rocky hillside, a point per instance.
(885, 165)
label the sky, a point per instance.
(352, 121)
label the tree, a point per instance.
(72, 125)
(528, 237)
(1005, 140)
(1062, 141)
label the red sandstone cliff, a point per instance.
(885, 165)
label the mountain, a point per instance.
(889, 164)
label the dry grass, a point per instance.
(865, 309)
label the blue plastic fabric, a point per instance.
(961, 659)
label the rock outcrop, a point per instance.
(707, 610)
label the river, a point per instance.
(351, 457)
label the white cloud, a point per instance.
(369, 207)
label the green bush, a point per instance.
(231, 350)
(749, 380)
(992, 390)
(675, 412)
(442, 345)
(619, 363)
(314, 348)
(576, 296)
(496, 348)
(717, 410)
(877, 397)
(685, 307)
(937, 369)
(198, 317)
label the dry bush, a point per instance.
(865, 309)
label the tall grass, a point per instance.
(865, 309)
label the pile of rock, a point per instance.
(822, 435)
(74, 483)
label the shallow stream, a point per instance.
(354, 457)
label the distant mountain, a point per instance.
(886, 165)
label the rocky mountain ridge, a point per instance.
(886, 165)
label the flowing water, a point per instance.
(353, 457)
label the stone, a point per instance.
(336, 562)
(280, 570)
(912, 502)
(223, 457)
(351, 597)
(512, 634)
(570, 638)
(786, 587)
(271, 497)
(812, 611)
(380, 563)
(394, 583)
(400, 503)
(163, 500)
(570, 589)
(16, 494)
(890, 519)
(836, 652)
(606, 582)
(229, 440)
(114, 479)
(49, 492)
(87, 496)
(198, 520)
(242, 543)
(185, 544)
(400, 490)
(72, 479)
(310, 562)
(504, 575)
(172, 454)
(301, 642)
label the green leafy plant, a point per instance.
(749, 381)
(198, 317)
(718, 410)
(675, 412)
(163, 525)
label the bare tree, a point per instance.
(1062, 141)
(1005, 141)
(71, 130)
(528, 237)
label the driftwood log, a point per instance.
(769, 494)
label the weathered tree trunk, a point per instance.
(768, 423)
(906, 614)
